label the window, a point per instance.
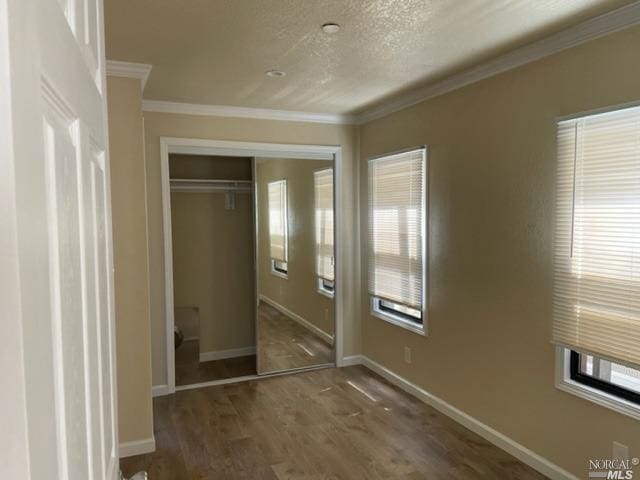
(397, 238)
(323, 195)
(278, 227)
(597, 253)
(607, 376)
(397, 311)
(326, 287)
(279, 267)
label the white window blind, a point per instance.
(278, 228)
(323, 193)
(397, 210)
(597, 243)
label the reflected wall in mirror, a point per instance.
(295, 263)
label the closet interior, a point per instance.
(213, 267)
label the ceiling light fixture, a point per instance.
(330, 28)
(274, 73)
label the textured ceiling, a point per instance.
(216, 51)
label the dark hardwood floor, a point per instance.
(333, 423)
(189, 369)
(284, 344)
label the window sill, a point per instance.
(325, 293)
(420, 330)
(279, 274)
(604, 399)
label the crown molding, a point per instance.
(244, 112)
(140, 71)
(614, 21)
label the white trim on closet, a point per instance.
(169, 145)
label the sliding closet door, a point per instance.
(295, 263)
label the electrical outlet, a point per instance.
(407, 355)
(620, 451)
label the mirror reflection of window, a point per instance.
(323, 194)
(278, 227)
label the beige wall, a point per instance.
(130, 259)
(213, 253)
(299, 291)
(213, 266)
(218, 128)
(492, 172)
(209, 166)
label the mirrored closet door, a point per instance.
(295, 263)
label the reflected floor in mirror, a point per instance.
(284, 344)
(189, 369)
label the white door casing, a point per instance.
(193, 146)
(60, 219)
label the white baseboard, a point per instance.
(137, 447)
(160, 390)
(351, 360)
(231, 353)
(297, 318)
(500, 440)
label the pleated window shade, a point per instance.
(597, 239)
(397, 207)
(323, 193)
(278, 228)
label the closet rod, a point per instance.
(210, 185)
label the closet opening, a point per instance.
(230, 210)
(212, 218)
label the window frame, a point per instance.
(568, 377)
(374, 300)
(320, 281)
(590, 391)
(323, 290)
(275, 269)
(594, 382)
(396, 318)
(278, 271)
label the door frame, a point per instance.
(194, 146)
(14, 442)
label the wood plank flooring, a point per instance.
(333, 423)
(189, 369)
(284, 344)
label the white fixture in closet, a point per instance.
(229, 187)
(209, 185)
